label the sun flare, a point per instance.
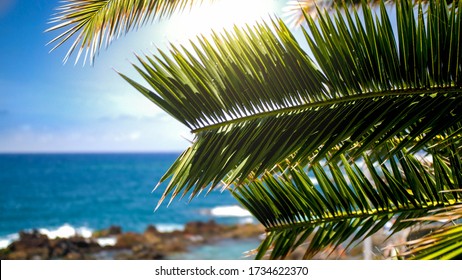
(217, 16)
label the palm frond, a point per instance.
(345, 203)
(444, 243)
(255, 97)
(451, 139)
(93, 24)
(295, 10)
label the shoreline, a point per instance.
(114, 243)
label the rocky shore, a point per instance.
(114, 243)
(148, 245)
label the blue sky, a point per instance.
(46, 106)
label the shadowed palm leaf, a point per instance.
(347, 203)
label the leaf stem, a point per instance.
(346, 99)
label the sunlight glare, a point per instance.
(222, 14)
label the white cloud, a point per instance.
(111, 134)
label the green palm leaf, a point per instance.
(96, 23)
(295, 10)
(255, 97)
(347, 203)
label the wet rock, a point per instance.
(74, 256)
(72, 247)
(153, 236)
(148, 245)
(144, 252)
(19, 255)
(172, 245)
(129, 240)
(31, 245)
(151, 230)
(111, 231)
(30, 240)
(244, 231)
(203, 228)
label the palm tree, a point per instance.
(323, 145)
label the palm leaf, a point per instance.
(347, 204)
(96, 23)
(254, 97)
(295, 10)
(444, 243)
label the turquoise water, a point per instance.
(224, 250)
(87, 192)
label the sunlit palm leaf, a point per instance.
(92, 24)
(342, 204)
(255, 97)
(295, 10)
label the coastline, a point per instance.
(152, 244)
(196, 241)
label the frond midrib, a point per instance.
(342, 100)
(357, 214)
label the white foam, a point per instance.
(247, 220)
(84, 232)
(169, 227)
(66, 231)
(7, 240)
(106, 241)
(230, 211)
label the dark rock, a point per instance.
(203, 228)
(129, 239)
(111, 231)
(83, 243)
(151, 230)
(29, 246)
(74, 256)
(30, 240)
(152, 236)
(19, 255)
(147, 254)
(151, 244)
(244, 231)
(173, 244)
(69, 248)
(144, 252)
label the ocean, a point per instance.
(64, 194)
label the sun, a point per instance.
(221, 14)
